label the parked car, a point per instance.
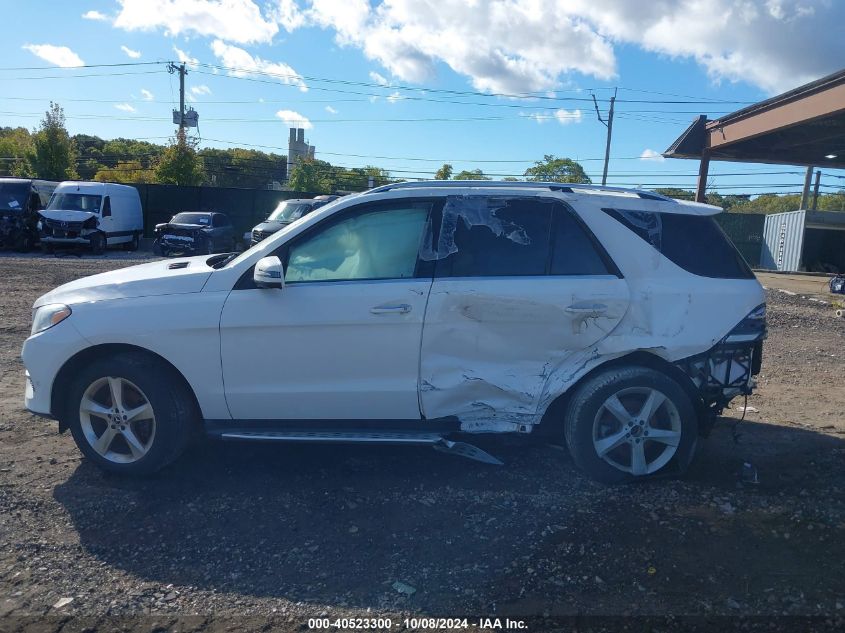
(286, 212)
(20, 201)
(195, 232)
(619, 321)
(92, 214)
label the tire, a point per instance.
(47, 248)
(208, 247)
(158, 436)
(133, 244)
(628, 437)
(98, 243)
(24, 243)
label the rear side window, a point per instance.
(493, 237)
(573, 250)
(696, 243)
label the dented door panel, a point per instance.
(492, 347)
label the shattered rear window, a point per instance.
(490, 237)
(696, 243)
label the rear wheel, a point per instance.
(133, 244)
(129, 414)
(630, 422)
(25, 242)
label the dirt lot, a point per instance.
(240, 534)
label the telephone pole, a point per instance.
(173, 68)
(609, 125)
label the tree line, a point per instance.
(51, 153)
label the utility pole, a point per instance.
(609, 125)
(173, 68)
(805, 194)
(816, 189)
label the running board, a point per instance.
(435, 440)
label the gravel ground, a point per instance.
(241, 535)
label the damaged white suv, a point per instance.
(417, 313)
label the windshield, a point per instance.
(191, 218)
(289, 211)
(75, 202)
(13, 196)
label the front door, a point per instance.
(341, 340)
(521, 293)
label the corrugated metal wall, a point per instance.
(783, 241)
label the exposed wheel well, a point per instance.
(89, 355)
(552, 421)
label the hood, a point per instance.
(271, 226)
(166, 277)
(67, 215)
(180, 225)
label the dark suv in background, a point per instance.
(286, 212)
(197, 233)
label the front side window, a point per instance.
(377, 244)
(75, 202)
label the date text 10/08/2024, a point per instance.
(385, 624)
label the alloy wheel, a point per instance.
(637, 430)
(117, 419)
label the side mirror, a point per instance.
(268, 273)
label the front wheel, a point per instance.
(629, 422)
(129, 414)
(98, 243)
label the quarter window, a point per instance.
(377, 244)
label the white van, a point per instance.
(95, 214)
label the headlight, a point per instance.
(38, 225)
(45, 317)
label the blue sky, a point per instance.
(368, 78)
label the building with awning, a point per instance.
(804, 126)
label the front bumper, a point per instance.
(65, 240)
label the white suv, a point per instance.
(417, 313)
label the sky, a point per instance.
(410, 84)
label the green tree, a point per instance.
(553, 169)
(54, 153)
(15, 146)
(444, 173)
(474, 174)
(180, 164)
(312, 175)
(129, 171)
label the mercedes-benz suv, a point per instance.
(619, 321)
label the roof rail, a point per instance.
(519, 184)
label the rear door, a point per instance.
(521, 293)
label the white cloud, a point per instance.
(516, 46)
(130, 53)
(564, 117)
(395, 96)
(231, 20)
(125, 107)
(202, 89)
(379, 79)
(294, 119)
(57, 55)
(288, 14)
(331, 110)
(146, 94)
(242, 64)
(94, 15)
(185, 57)
(650, 154)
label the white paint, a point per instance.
(493, 352)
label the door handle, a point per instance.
(400, 308)
(584, 309)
